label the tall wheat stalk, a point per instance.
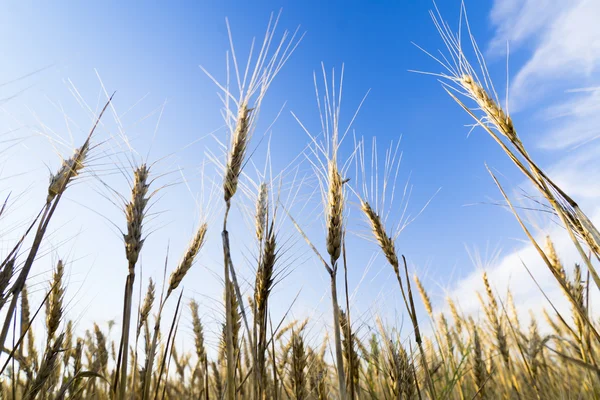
(135, 211)
(252, 88)
(386, 240)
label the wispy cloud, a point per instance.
(517, 21)
(574, 122)
(565, 36)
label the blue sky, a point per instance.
(150, 53)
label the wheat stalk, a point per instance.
(47, 213)
(135, 211)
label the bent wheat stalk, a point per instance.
(498, 124)
(388, 248)
(58, 184)
(175, 280)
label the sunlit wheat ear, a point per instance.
(54, 305)
(262, 289)
(198, 332)
(384, 241)
(264, 276)
(490, 293)
(458, 320)
(554, 260)
(493, 111)
(188, 259)
(70, 169)
(261, 211)
(252, 85)
(237, 152)
(135, 212)
(334, 211)
(424, 296)
(146, 306)
(495, 321)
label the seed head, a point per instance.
(264, 275)
(188, 259)
(261, 211)
(198, 331)
(335, 209)
(424, 296)
(70, 169)
(146, 306)
(134, 212)
(237, 152)
(383, 239)
(54, 310)
(491, 108)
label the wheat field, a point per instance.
(441, 353)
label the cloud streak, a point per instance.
(565, 37)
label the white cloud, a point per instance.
(574, 122)
(517, 20)
(509, 272)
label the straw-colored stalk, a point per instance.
(135, 211)
(144, 313)
(334, 213)
(387, 246)
(233, 169)
(55, 192)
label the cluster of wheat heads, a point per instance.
(445, 354)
